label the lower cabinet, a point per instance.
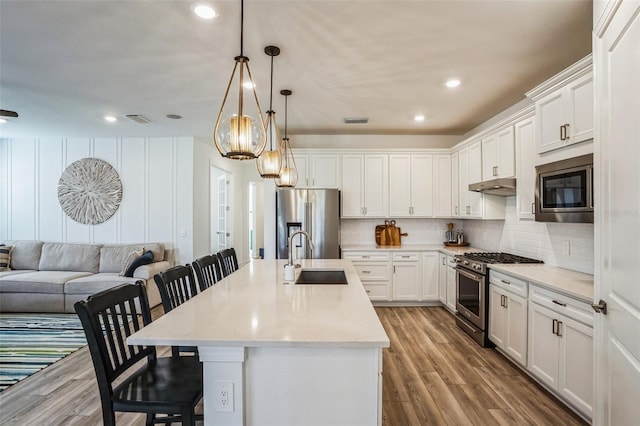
(442, 278)
(561, 354)
(429, 276)
(508, 323)
(374, 270)
(406, 276)
(451, 284)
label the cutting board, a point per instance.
(389, 234)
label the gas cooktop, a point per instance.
(498, 257)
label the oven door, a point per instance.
(470, 297)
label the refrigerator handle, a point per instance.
(308, 226)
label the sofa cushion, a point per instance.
(95, 283)
(70, 257)
(5, 257)
(38, 281)
(14, 272)
(145, 259)
(113, 256)
(25, 253)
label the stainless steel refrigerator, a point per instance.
(316, 211)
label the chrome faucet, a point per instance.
(291, 262)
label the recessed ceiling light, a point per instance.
(203, 9)
(452, 83)
(419, 117)
(110, 118)
(174, 116)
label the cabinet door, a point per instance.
(451, 289)
(525, 168)
(325, 171)
(543, 345)
(505, 153)
(516, 335)
(463, 182)
(455, 187)
(579, 106)
(576, 364)
(302, 165)
(429, 276)
(352, 186)
(475, 175)
(399, 185)
(549, 118)
(376, 185)
(422, 185)
(442, 278)
(406, 280)
(490, 157)
(497, 317)
(442, 185)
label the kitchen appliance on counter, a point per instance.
(472, 291)
(316, 211)
(564, 191)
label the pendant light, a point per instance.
(289, 173)
(239, 132)
(270, 161)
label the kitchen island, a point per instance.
(278, 353)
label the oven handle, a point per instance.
(469, 275)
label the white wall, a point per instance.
(157, 190)
(541, 240)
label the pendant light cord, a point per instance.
(241, 27)
(270, 112)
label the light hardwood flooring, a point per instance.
(432, 374)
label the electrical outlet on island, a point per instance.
(223, 396)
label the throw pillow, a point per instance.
(5, 258)
(145, 259)
(132, 256)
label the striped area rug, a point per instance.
(30, 342)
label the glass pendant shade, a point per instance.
(289, 173)
(239, 131)
(270, 161)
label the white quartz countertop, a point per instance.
(254, 307)
(571, 283)
(412, 247)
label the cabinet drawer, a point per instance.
(376, 291)
(372, 271)
(509, 283)
(565, 305)
(406, 256)
(360, 255)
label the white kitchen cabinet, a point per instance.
(442, 278)
(406, 276)
(508, 323)
(498, 158)
(374, 271)
(455, 185)
(470, 171)
(564, 107)
(318, 170)
(442, 185)
(525, 168)
(411, 185)
(560, 353)
(365, 182)
(451, 284)
(429, 276)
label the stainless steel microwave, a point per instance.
(564, 191)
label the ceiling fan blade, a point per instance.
(5, 113)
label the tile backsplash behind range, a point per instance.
(421, 231)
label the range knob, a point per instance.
(466, 262)
(476, 266)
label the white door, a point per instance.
(617, 218)
(223, 209)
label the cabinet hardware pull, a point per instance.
(366, 257)
(443, 260)
(495, 170)
(506, 282)
(533, 208)
(368, 291)
(506, 301)
(456, 209)
(554, 324)
(394, 269)
(559, 332)
(566, 132)
(561, 133)
(405, 257)
(366, 272)
(559, 303)
(501, 300)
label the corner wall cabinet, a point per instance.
(365, 180)
(498, 158)
(411, 185)
(564, 107)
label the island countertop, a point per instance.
(255, 307)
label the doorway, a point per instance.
(220, 218)
(256, 220)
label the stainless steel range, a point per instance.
(472, 291)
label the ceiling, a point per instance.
(66, 64)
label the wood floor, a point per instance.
(433, 374)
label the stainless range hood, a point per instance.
(504, 187)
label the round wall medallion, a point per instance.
(90, 191)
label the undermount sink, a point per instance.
(322, 276)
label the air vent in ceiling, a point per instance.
(139, 118)
(356, 120)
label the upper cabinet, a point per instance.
(526, 171)
(470, 171)
(411, 185)
(365, 180)
(498, 155)
(442, 185)
(318, 170)
(564, 107)
(455, 186)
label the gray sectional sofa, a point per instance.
(51, 277)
